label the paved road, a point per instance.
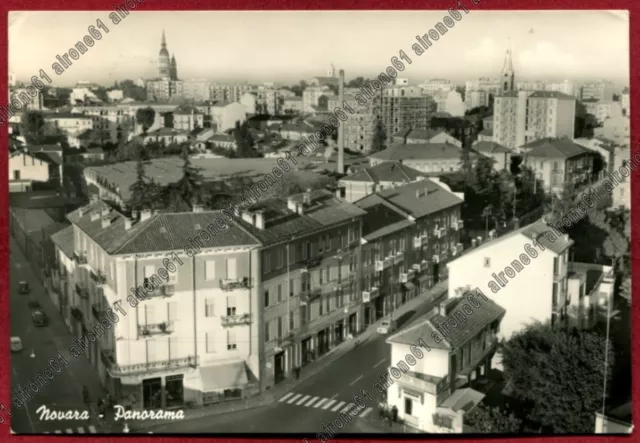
(64, 391)
(317, 401)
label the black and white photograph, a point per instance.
(316, 224)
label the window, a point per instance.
(211, 344)
(149, 315)
(487, 262)
(172, 311)
(555, 265)
(280, 332)
(151, 350)
(328, 300)
(208, 307)
(209, 270)
(267, 327)
(148, 270)
(16, 174)
(266, 261)
(328, 273)
(232, 269)
(291, 320)
(320, 276)
(231, 305)
(320, 307)
(408, 406)
(266, 298)
(280, 258)
(231, 340)
(279, 293)
(292, 289)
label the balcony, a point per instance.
(417, 242)
(98, 312)
(457, 249)
(81, 292)
(423, 382)
(235, 320)
(98, 278)
(369, 295)
(80, 259)
(310, 295)
(144, 368)
(311, 263)
(230, 284)
(398, 257)
(438, 232)
(381, 265)
(460, 225)
(436, 258)
(165, 327)
(425, 240)
(406, 276)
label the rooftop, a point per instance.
(382, 218)
(420, 151)
(552, 94)
(554, 148)
(491, 148)
(392, 171)
(64, 240)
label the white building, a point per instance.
(479, 92)
(115, 95)
(25, 169)
(435, 85)
(225, 115)
(450, 102)
(311, 95)
(626, 103)
(249, 101)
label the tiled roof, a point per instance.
(221, 137)
(418, 199)
(64, 240)
(488, 132)
(381, 219)
(161, 232)
(166, 131)
(481, 317)
(386, 172)
(508, 94)
(490, 147)
(551, 94)
(424, 134)
(186, 110)
(554, 148)
(420, 151)
(536, 231)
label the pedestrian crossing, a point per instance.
(80, 430)
(327, 404)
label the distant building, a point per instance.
(115, 95)
(622, 192)
(603, 109)
(421, 136)
(292, 105)
(625, 103)
(403, 107)
(481, 92)
(436, 85)
(602, 90)
(500, 155)
(617, 129)
(430, 158)
(359, 128)
(566, 87)
(311, 96)
(376, 178)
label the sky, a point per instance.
(287, 46)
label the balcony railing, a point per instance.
(383, 264)
(425, 240)
(369, 295)
(438, 232)
(457, 225)
(312, 262)
(233, 320)
(80, 259)
(308, 296)
(165, 327)
(423, 382)
(398, 257)
(144, 368)
(417, 242)
(457, 249)
(81, 292)
(99, 278)
(98, 312)
(230, 284)
(406, 276)
(436, 258)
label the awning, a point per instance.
(409, 285)
(226, 376)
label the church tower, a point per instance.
(507, 79)
(174, 68)
(331, 72)
(164, 67)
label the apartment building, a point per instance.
(622, 193)
(187, 118)
(602, 90)
(402, 107)
(566, 87)
(436, 85)
(431, 239)
(617, 129)
(480, 92)
(557, 162)
(524, 271)
(25, 169)
(383, 175)
(180, 297)
(223, 115)
(176, 90)
(69, 123)
(521, 117)
(501, 155)
(417, 136)
(451, 351)
(311, 97)
(359, 127)
(308, 278)
(603, 109)
(431, 158)
(292, 105)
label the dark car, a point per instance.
(23, 287)
(34, 304)
(39, 318)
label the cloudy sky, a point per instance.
(286, 46)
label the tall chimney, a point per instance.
(341, 127)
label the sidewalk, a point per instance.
(317, 366)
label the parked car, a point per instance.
(387, 326)
(34, 304)
(39, 318)
(16, 344)
(23, 287)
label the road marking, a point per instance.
(360, 377)
(303, 399)
(312, 401)
(380, 362)
(349, 408)
(338, 406)
(286, 396)
(321, 402)
(334, 396)
(69, 431)
(329, 404)
(80, 430)
(92, 429)
(366, 412)
(295, 397)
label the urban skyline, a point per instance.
(537, 55)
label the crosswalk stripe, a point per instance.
(312, 401)
(294, 398)
(286, 396)
(328, 405)
(69, 431)
(338, 406)
(92, 429)
(320, 403)
(366, 412)
(303, 399)
(80, 430)
(350, 407)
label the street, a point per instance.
(316, 401)
(62, 391)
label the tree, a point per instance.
(140, 188)
(617, 244)
(131, 90)
(559, 375)
(32, 126)
(493, 420)
(379, 139)
(187, 191)
(357, 82)
(244, 141)
(145, 117)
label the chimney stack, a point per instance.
(300, 209)
(198, 208)
(417, 193)
(80, 212)
(291, 204)
(127, 224)
(145, 214)
(95, 216)
(106, 221)
(259, 220)
(248, 217)
(104, 212)
(341, 127)
(135, 214)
